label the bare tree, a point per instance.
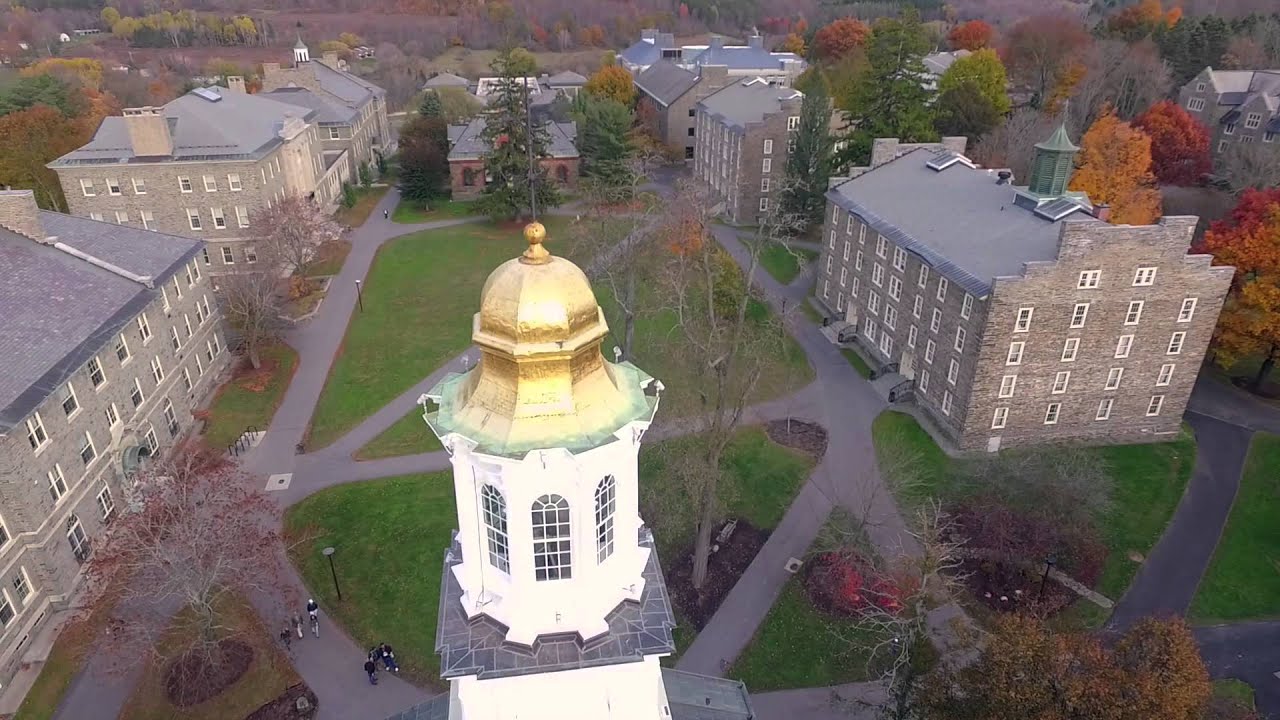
(1128, 77)
(1012, 144)
(288, 233)
(1250, 166)
(251, 304)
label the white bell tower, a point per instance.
(300, 52)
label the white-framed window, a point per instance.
(199, 365)
(953, 371)
(93, 369)
(1060, 382)
(924, 381)
(77, 539)
(228, 256)
(1229, 129)
(764, 186)
(150, 438)
(877, 274)
(862, 234)
(1079, 314)
(844, 276)
(960, 338)
(764, 204)
(1268, 137)
(186, 321)
(122, 349)
(334, 133)
(912, 333)
(210, 184)
(1155, 405)
(552, 553)
(219, 220)
(214, 343)
(136, 395)
(606, 498)
(873, 303)
(1195, 104)
(494, 509)
(1134, 313)
(899, 259)
(1089, 280)
(1008, 384)
(882, 246)
(88, 451)
(139, 186)
(21, 585)
(766, 165)
(857, 260)
(946, 402)
(106, 503)
(186, 378)
(923, 280)
(895, 287)
(848, 246)
(86, 187)
(1051, 413)
(70, 403)
(113, 415)
(1104, 409)
(999, 418)
(193, 219)
(170, 419)
(890, 317)
(95, 216)
(36, 435)
(164, 296)
(869, 329)
(195, 268)
(1014, 357)
(1123, 346)
(1114, 376)
(1023, 323)
(57, 483)
(6, 610)
(853, 291)
(148, 219)
(942, 289)
(1222, 146)
(916, 306)
(184, 184)
(1188, 310)
(1253, 120)
(768, 146)
(176, 287)
(793, 122)
(848, 224)
(113, 186)
(1145, 276)
(233, 182)
(1069, 349)
(1165, 376)
(929, 349)
(1175, 343)
(4, 533)
(935, 322)
(157, 370)
(966, 307)
(174, 339)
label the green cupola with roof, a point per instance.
(1054, 161)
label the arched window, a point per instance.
(562, 174)
(606, 503)
(494, 508)
(551, 553)
(468, 176)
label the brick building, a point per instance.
(351, 113)
(109, 338)
(467, 149)
(1014, 314)
(744, 133)
(201, 166)
(1238, 106)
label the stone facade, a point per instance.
(466, 177)
(1237, 106)
(677, 117)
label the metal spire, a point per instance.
(528, 144)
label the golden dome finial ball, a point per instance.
(535, 233)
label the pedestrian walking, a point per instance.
(386, 214)
(372, 671)
(297, 624)
(285, 637)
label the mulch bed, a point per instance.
(1268, 390)
(799, 435)
(189, 680)
(723, 570)
(285, 707)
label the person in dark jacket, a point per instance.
(372, 671)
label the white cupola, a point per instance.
(300, 52)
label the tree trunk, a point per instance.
(702, 546)
(1265, 369)
(254, 358)
(629, 316)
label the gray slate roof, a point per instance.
(58, 310)
(666, 81)
(237, 126)
(746, 102)
(437, 708)
(466, 142)
(958, 219)
(345, 86)
(445, 79)
(1236, 88)
(566, 78)
(328, 110)
(648, 52)
(937, 63)
(740, 57)
(478, 647)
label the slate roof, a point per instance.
(478, 647)
(665, 81)
(937, 63)
(466, 142)
(648, 52)
(437, 708)
(740, 57)
(235, 126)
(699, 697)
(445, 79)
(959, 220)
(1237, 88)
(566, 78)
(746, 102)
(327, 110)
(344, 85)
(58, 310)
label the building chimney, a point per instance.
(1102, 211)
(235, 83)
(1004, 177)
(650, 34)
(756, 40)
(717, 42)
(148, 131)
(883, 150)
(19, 213)
(330, 59)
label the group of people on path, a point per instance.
(380, 653)
(313, 610)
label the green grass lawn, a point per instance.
(1236, 692)
(329, 258)
(250, 397)
(785, 263)
(812, 313)
(409, 436)
(366, 200)
(1243, 581)
(1147, 483)
(390, 537)
(412, 211)
(857, 362)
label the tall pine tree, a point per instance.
(430, 106)
(809, 165)
(890, 99)
(603, 125)
(507, 134)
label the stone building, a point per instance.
(202, 166)
(673, 92)
(1238, 106)
(745, 132)
(744, 61)
(109, 338)
(1016, 315)
(467, 149)
(351, 113)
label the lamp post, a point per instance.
(328, 552)
(359, 296)
(1049, 562)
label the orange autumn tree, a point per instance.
(839, 37)
(792, 43)
(1114, 167)
(972, 35)
(1249, 239)
(1179, 143)
(33, 137)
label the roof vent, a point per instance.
(1003, 177)
(207, 94)
(946, 160)
(1058, 209)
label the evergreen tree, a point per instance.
(507, 134)
(603, 125)
(809, 164)
(890, 98)
(430, 106)
(424, 158)
(965, 110)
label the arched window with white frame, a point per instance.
(552, 555)
(494, 509)
(606, 503)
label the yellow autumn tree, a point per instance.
(614, 83)
(1114, 167)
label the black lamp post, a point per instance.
(328, 552)
(359, 296)
(1049, 562)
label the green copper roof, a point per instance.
(1059, 141)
